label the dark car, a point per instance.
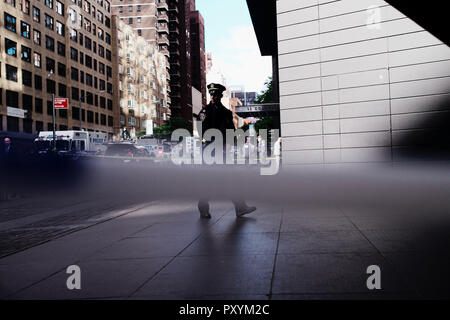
(125, 150)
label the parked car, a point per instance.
(125, 150)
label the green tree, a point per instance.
(266, 96)
(165, 131)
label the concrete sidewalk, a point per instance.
(164, 251)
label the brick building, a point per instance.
(61, 47)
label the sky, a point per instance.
(230, 37)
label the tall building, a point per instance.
(149, 19)
(141, 81)
(198, 61)
(187, 61)
(359, 81)
(180, 59)
(60, 47)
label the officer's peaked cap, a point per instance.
(215, 87)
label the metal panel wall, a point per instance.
(359, 81)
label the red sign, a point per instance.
(61, 103)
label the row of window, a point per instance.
(25, 29)
(89, 44)
(12, 100)
(51, 85)
(86, 60)
(59, 8)
(35, 58)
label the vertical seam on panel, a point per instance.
(321, 83)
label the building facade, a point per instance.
(198, 59)
(141, 81)
(60, 47)
(148, 19)
(359, 82)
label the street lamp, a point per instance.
(80, 113)
(53, 113)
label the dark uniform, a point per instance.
(216, 116)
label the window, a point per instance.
(130, 20)
(50, 43)
(88, 61)
(62, 90)
(110, 104)
(37, 60)
(138, 20)
(25, 30)
(61, 49)
(102, 85)
(87, 43)
(37, 37)
(108, 55)
(139, 32)
(25, 54)
(101, 51)
(101, 68)
(100, 33)
(49, 22)
(11, 73)
(60, 28)
(139, 8)
(73, 35)
(38, 103)
(81, 76)
(73, 54)
(107, 38)
(108, 72)
(11, 47)
(49, 3)
(103, 119)
(37, 82)
(81, 58)
(25, 6)
(75, 93)
(100, 16)
(61, 69)
(74, 73)
(89, 98)
(90, 116)
(81, 39)
(59, 8)
(130, 8)
(88, 79)
(51, 86)
(87, 25)
(108, 22)
(49, 64)
(120, 9)
(10, 22)
(36, 14)
(11, 2)
(27, 78)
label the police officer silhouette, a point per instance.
(216, 116)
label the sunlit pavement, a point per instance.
(162, 250)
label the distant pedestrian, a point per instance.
(277, 152)
(8, 162)
(8, 152)
(216, 116)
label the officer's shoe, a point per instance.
(205, 215)
(243, 211)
